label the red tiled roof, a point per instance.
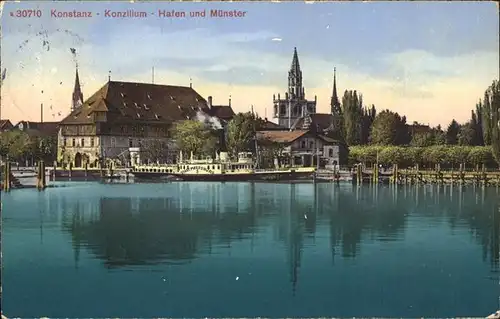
(140, 102)
(281, 136)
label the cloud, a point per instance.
(419, 84)
(277, 39)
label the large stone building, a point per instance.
(294, 105)
(128, 122)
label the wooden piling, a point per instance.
(70, 171)
(395, 173)
(54, 171)
(359, 174)
(6, 177)
(41, 182)
(86, 168)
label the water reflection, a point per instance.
(192, 219)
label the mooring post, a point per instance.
(38, 176)
(86, 168)
(417, 174)
(110, 169)
(6, 178)
(461, 174)
(43, 175)
(360, 174)
(54, 171)
(70, 169)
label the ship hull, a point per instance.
(261, 176)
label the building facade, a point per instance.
(128, 123)
(294, 105)
(302, 147)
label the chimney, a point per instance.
(209, 102)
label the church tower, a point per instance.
(294, 106)
(337, 125)
(335, 104)
(77, 93)
(295, 88)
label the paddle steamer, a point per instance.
(221, 169)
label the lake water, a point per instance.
(247, 250)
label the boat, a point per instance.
(221, 169)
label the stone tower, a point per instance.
(336, 128)
(77, 100)
(295, 105)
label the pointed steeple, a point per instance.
(295, 89)
(335, 104)
(77, 93)
(295, 68)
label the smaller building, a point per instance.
(5, 125)
(38, 129)
(303, 147)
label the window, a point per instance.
(92, 142)
(64, 141)
(130, 142)
(82, 142)
(140, 143)
(330, 152)
(303, 144)
(73, 142)
(113, 142)
(311, 144)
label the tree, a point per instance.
(193, 136)
(17, 145)
(352, 117)
(452, 133)
(389, 129)
(46, 148)
(241, 132)
(466, 134)
(155, 150)
(422, 139)
(270, 151)
(494, 93)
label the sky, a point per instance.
(430, 61)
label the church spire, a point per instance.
(77, 93)
(335, 104)
(295, 89)
(295, 68)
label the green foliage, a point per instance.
(493, 93)
(17, 145)
(423, 139)
(389, 129)
(467, 134)
(352, 109)
(452, 133)
(241, 132)
(406, 156)
(270, 151)
(194, 136)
